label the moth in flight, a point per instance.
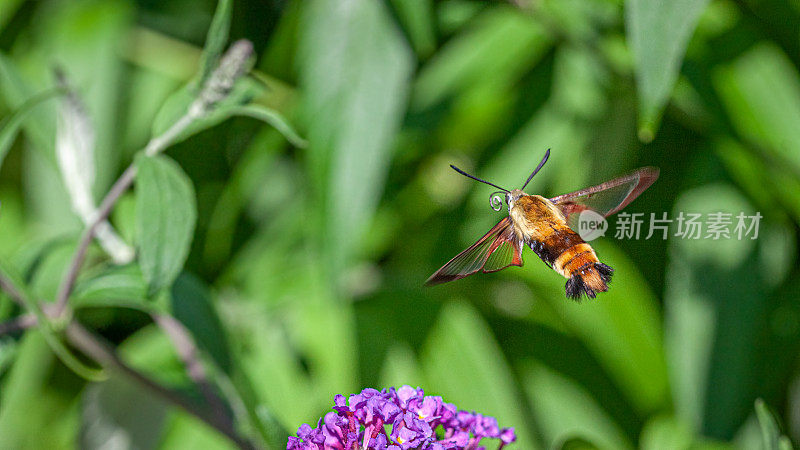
(546, 225)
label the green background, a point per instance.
(305, 270)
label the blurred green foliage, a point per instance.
(305, 252)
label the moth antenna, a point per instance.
(476, 178)
(544, 160)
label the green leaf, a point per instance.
(622, 330)
(401, 367)
(453, 14)
(28, 259)
(461, 343)
(255, 167)
(192, 306)
(216, 39)
(244, 91)
(770, 430)
(564, 409)
(355, 68)
(278, 375)
(578, 83)
(46, 327)
(658, 33)
(258, 416)
(417, 17)
(275, 357)
(177, 104)
(186, 432)
(11, 124)
(576, 443)
(8, 353)
(53, 261)
(119, 413)
(87, 38)
(501, 38)
(151, 352)
(761, 93)
(279, 55)
(15, 240)
(166, 214)
(271, 117)
(7, 10)
(665, 433)
(16, 90)
(545, 129)
(119, 286)
(711, 304)
(27, 387)
(576, 20)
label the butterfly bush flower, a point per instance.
(398, 419)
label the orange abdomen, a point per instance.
(542, 226)
(570, 256)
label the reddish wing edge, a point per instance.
(475, 257)
(575, 202)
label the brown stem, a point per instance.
(68, 282)
(18, 323)
(231, 67)
(8, 287)
(187, 351)
(102, 352)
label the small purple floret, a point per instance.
(398, 419)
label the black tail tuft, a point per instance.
(577, 286)
(605, 272)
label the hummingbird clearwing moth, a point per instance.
(548, 227)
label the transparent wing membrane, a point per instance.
(606, 198)
(496, 250)
(501, 258)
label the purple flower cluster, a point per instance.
(413, 417)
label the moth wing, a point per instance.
(606, 198)
(496, 250)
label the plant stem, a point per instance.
(155, 146)
(8, 287)
(231, 67)
(101, 352)
(160, 143)
(18, 323)
(187, 351)
(68, 282)
(43, 313)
